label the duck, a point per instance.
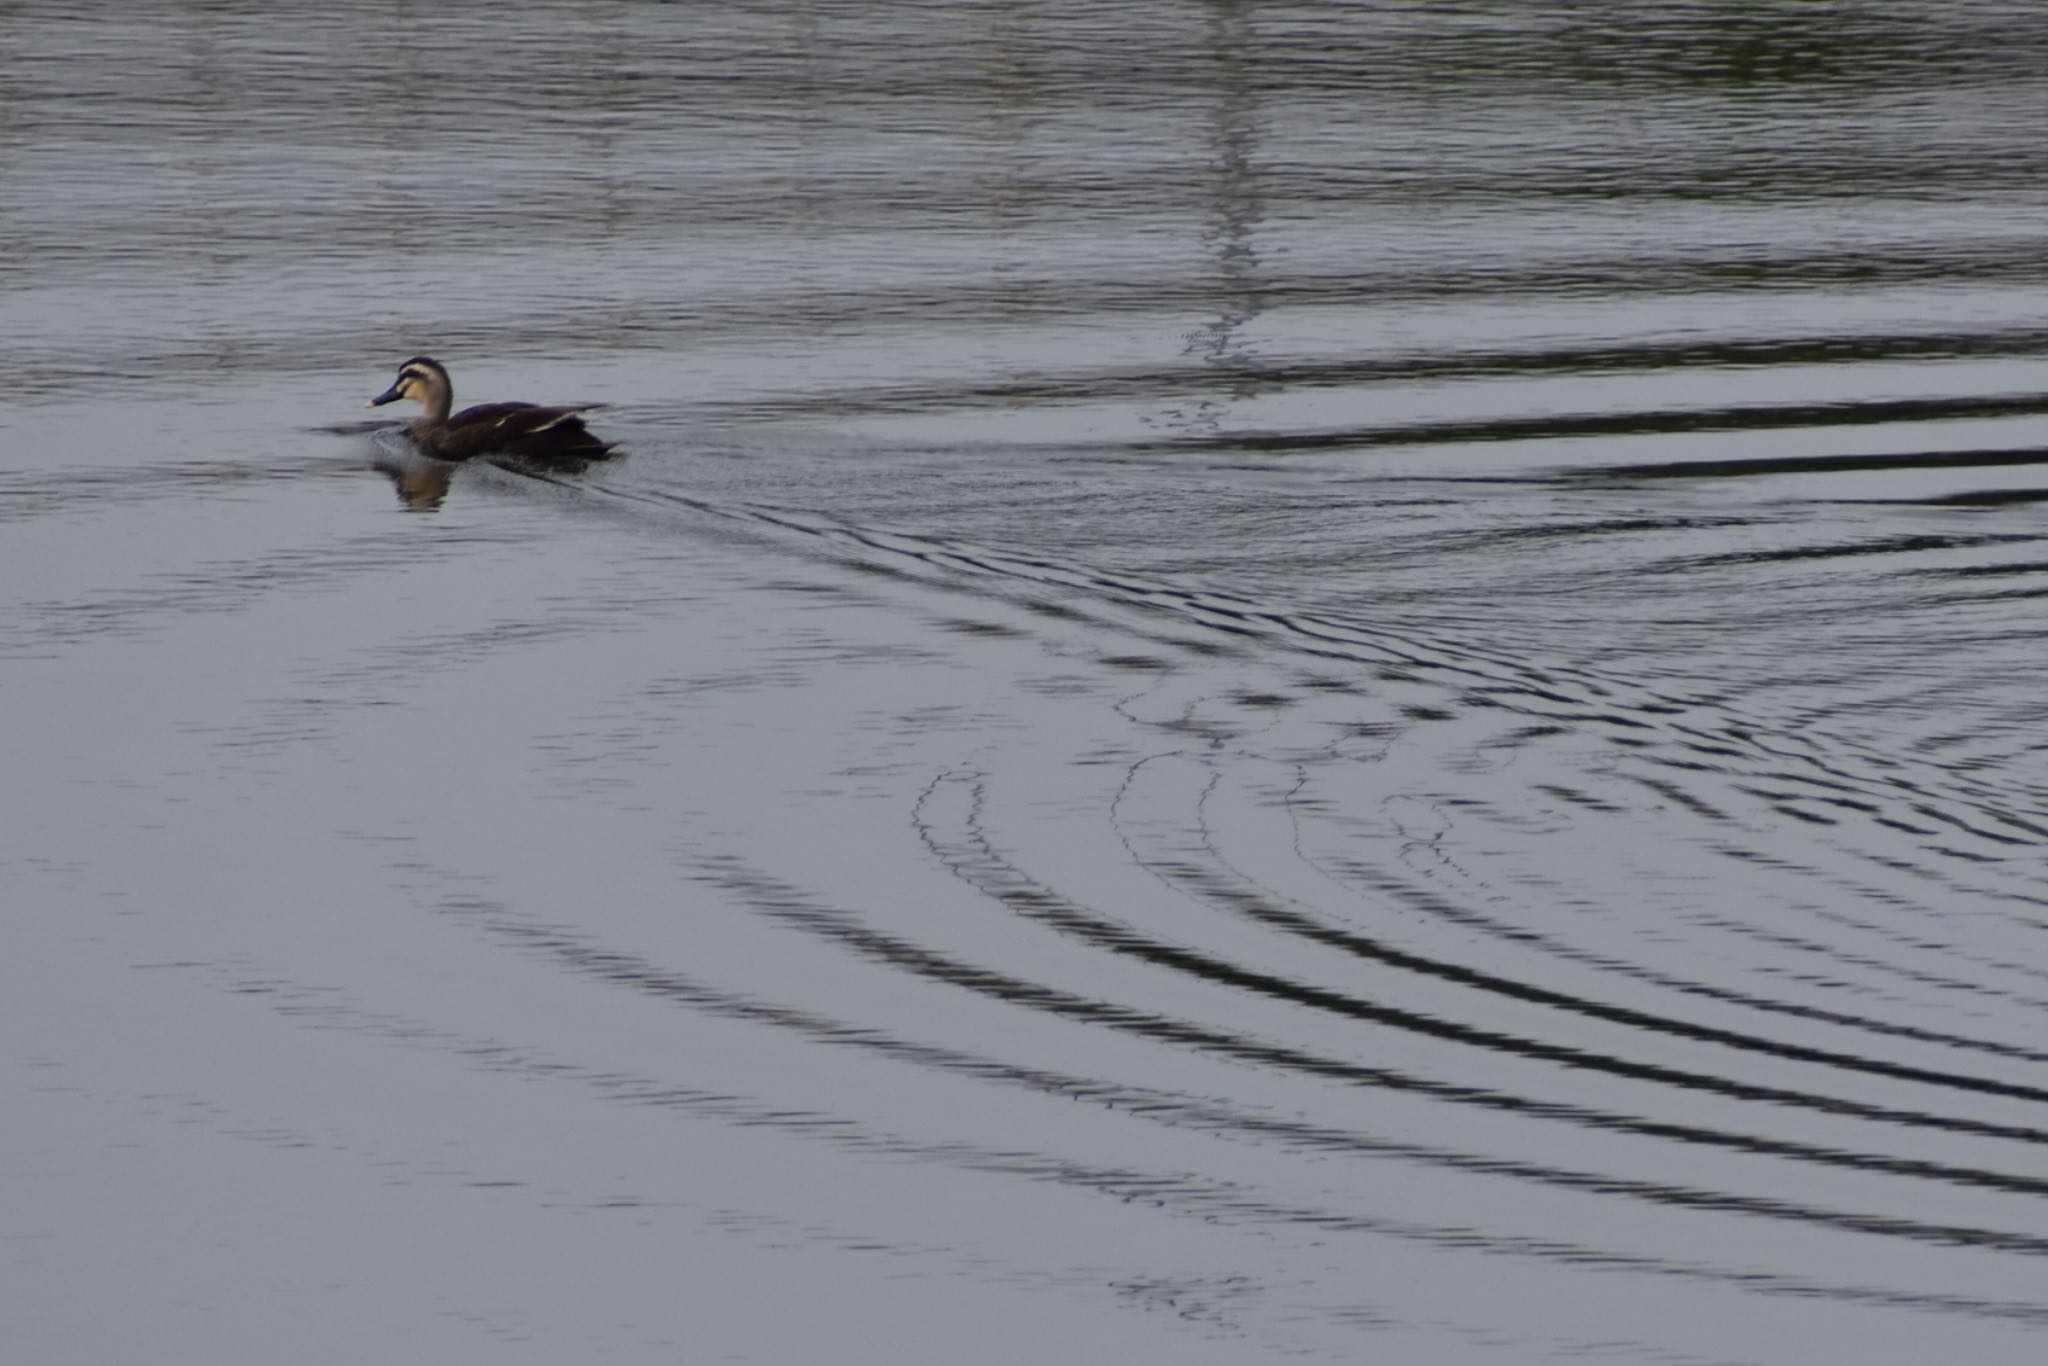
(525, 430)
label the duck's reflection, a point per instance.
(422, 482)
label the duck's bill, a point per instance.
(390, 395)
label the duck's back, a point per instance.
(522, 429)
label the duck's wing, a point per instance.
(526, 429)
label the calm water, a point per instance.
(1333, 683)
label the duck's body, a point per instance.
(526, 430)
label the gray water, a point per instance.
(1332, 682)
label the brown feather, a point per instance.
(526, 430)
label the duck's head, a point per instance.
(420, 379)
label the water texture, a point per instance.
(1327, 682)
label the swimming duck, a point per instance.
(519, 429)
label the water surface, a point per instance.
(1316, 682)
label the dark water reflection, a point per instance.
(1322, 681)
